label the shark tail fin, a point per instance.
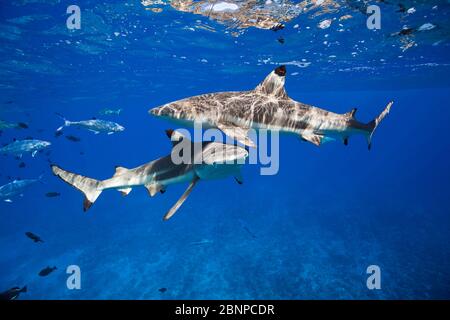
(24, 289)
(66, 122)
(372, 125)
(88, 186)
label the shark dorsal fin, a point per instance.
(273, 84)
(175, 136)
(120, 170)
(351, 113)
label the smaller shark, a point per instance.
(94, 125)
(218, 160)
(268, 106)
(19, 147)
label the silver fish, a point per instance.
(20, 147)
(268, 107)
(7, 125)
(15, 187)
(93, 125)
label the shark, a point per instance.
(269, 107)
(207, 160)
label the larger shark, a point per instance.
(268, 107)
(208, 160)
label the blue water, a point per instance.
(308, 232)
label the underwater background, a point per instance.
(308, 232)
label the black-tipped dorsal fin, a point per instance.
(175, 136)
(273, 84)
(351, 113)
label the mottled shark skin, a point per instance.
(218, 161)
(268, 107)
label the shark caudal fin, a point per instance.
(372, 125)
(88, 186)
(66, 122)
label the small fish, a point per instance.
(33, 237)
(93, 125)
(19, 147)
(10, 125)
(246, 228)
(250, 232)
(52, 194)
(13, 293)
(201, 242)
(7, 125)
(58, 133)
(401, 8)
(46, 271)
(406, 31)
(15, 187)
(162, 290)
(108, 112)
(22, 165)
(73, 138)
(280, 40)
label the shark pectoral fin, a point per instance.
(125, 191)
(237, 133)
(312, 137)
(33, 154)
(154, 188)
(180, 201)
(110, 133)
